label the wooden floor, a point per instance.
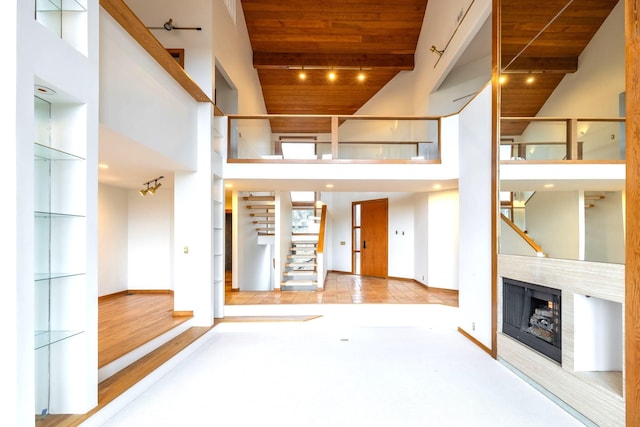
(129, 320)
(343, 288)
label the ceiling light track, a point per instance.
(169, 27)
(151, 189)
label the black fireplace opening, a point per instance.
(532, 315)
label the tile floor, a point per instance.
(349, 289)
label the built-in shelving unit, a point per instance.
(60, 253)
(218, 221)
(65, 18)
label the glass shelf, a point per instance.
(47, 153)
(39, 277)
(48, 215)
(46, 338)
(61, 5)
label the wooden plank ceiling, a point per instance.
(377, 38)
(542, 39)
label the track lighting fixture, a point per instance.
(169, 26)
(151, 189)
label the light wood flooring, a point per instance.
(129, 320)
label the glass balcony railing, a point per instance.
(552, 139)
(333, 138)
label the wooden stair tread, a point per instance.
(300, 273)
(262, 214)
(259, 198)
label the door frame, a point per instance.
(356, 236)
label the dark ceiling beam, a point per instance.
(563, 65)
(283, 60)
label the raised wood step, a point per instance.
(265, 222)
(118, 384)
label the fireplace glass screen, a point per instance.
(532, 314)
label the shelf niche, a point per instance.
(598, 341)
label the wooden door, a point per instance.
(373, 237)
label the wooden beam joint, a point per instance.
(286, 60)
(562, 65)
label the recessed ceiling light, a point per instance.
(530, 79)
(332, 76)
(549, 185)
(329, 185)
(228, 185)
(437, 186)
(43, 90)
(502, 79)
(103, 166)
(361, 77)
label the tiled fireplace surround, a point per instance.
(590, 377)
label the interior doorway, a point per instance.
(370, 253)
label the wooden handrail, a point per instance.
(522, 234)
(323, 223)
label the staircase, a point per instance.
(262, 209)
(301, 268)
(592, 197)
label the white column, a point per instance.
(193, 230)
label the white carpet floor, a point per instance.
(357, 365)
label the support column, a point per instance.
(632, 280)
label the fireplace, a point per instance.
(532, 315)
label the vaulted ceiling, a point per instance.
(374, 37)
(542, 38)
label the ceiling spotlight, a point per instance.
(502, 79)
(144, 191)
(530, 79)
(302, 75)
(361, 76)
(151, 189)
(436, 51)
(332, 76)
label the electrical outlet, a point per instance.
(473, 326)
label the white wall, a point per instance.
(283, 235)
(150, 231)
(475, 218)
(420, 243)
(233, 54)
(553, 221)
(604, 229)
(198, 58)
(140, 100)
(443, 237)
(401, 236)
(113, 255)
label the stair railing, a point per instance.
(523, 235)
